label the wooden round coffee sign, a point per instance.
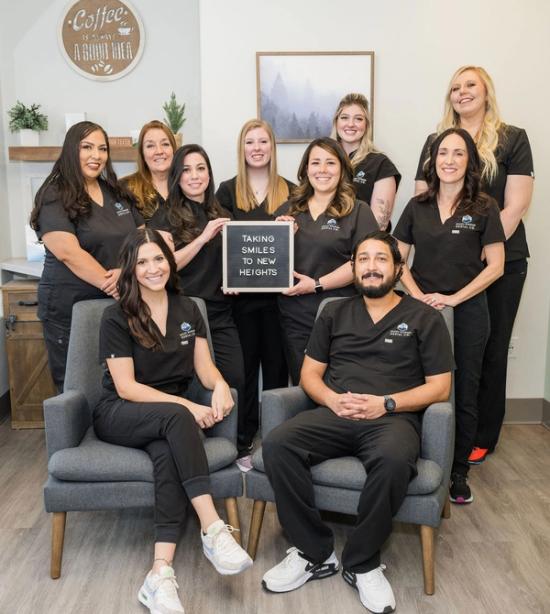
(102, 39)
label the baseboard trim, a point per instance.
(5, 406)
(546, 413)
(524, 411)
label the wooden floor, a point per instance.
(491, 557)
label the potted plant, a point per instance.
(28, 121)
(175, 117)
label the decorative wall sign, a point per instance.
(258, 256)
(101, 39)
(298, 91)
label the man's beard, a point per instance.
(375, 291)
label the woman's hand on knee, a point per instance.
(204, 416)
(222, 401)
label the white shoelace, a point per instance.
(224, 541)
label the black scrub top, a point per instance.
(170, 369)
(227, 197)
(372, 168)
(101, 234)
(324, 244)
(202, 276)
(408, 344)
(447, 256)
(514, 157)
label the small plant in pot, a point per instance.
(28, 121)
(175, 117)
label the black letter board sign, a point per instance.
(258, 256)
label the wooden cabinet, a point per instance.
(29, 375)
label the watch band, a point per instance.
(318, 286)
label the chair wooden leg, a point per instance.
(255, 527)
(232, 511)
(446, 513)
(58, 535)
(427, 539)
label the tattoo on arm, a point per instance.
(382, 212)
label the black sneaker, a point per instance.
(460, 491)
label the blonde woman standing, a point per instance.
(375, 177)
(253, 195)
(507, 175)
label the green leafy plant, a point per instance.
(27, 118)
(175, 114)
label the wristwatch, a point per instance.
(318, 286)
(389, 404)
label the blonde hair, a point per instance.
(277, 189)
(487, 138)
(141, 182)
(366, 146)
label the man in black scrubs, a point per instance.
(373, 363)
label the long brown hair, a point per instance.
(277, 188)
(132, 304)
(344, 199)
(183, 223)
(366, 146)
(67, 178)
(141, 182)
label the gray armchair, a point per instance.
(338, 482)
(85, 473)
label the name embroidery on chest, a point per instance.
(332, 224)
(467, 223)
(360, 178)
(187, 333)
(121, 209)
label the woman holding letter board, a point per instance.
(329, 221)
(195, 219)
(254, 195)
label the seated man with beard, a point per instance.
(374, 362)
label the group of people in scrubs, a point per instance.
(144, 239)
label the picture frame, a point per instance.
(297, 92)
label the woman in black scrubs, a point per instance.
(329, 220)
(375, 177)
(455, 228)
(507, 175)
(82, 214)
(153, 341)
(149, 184)
(254, 195)
(195, 219)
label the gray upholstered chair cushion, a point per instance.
(97, 461)
(348, 472)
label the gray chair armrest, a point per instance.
(438, 434)
(228, 426)
(280, 404)
(66, 420)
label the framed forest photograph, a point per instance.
(298, 91)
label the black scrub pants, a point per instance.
(56, 338)
(169, 434)
(471, 331)
(228, 354)
(503, 298)
(297, 319)
(388, 447)
(257, 321)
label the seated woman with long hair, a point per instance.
(153, 342)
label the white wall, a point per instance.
(418, 46)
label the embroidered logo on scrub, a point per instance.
(121, 209)
(332, 224)
(401, 330)
(466, 223)
(360, 178)
(187, 332)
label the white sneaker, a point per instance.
(159, 592)
(375, 591)
(294, 571)
(221, 549)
